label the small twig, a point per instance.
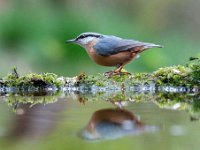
(14, 72)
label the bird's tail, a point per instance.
(152, 45)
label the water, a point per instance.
(100, 120)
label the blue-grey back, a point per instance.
(109, 45)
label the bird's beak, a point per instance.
(70, 41)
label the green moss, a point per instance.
(32, 79)
(188, 75)
(195, 67)
(174, 76)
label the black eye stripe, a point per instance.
(88, 35)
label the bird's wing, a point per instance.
(112, 45)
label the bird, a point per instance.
(110, 50)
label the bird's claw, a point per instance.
(108, 74)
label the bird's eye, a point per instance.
(81, 37)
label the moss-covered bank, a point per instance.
(186, 76)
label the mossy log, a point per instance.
(187, 76)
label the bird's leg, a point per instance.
(114, 72)
(118, 70)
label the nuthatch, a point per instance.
(109, 50)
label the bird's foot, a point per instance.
(108, 74)
(125, 73)
(114, 73)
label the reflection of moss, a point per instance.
(32, 98)
(196, 105)
(165, 100)
(173, 100)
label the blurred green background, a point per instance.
(33, 33)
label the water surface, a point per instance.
(102, 120)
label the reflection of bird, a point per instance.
(113, 123)
(108, 50)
